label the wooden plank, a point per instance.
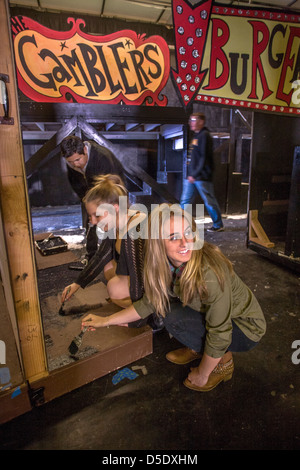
(8, 294)
(14, 403)
(70, 377)
(256, 232)
(41, 156)
(275, 256)
(16, 221)
(103, 113)
(23, 274)
(10, 369)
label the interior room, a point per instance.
(113, 388)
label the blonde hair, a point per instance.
(106, 189)
(157, 273)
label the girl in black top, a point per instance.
(121, 253)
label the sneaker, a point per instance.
(79, 265)
(215, 229)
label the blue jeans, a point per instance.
(188, 327)
(206, 191)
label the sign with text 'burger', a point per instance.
(237, 56)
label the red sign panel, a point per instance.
(237, 56)
(54, 66)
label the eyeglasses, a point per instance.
(193, 119)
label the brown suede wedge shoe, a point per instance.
(221, 373)
(182, 356)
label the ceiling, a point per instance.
(149, 11)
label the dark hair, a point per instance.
(70, 145)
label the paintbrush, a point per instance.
(61, 310)
(76, 343)
(47, 239)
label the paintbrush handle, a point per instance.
(83, 331)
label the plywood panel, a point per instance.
(60, 330)
(10, 369)
(23, 275)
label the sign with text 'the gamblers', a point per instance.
(55, 66)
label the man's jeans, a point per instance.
(206, 191)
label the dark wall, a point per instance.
(49, 184)
(273, 143)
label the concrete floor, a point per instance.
(258, 409)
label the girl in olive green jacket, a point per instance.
(191, 285)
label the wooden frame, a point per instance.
(17, 224)
(70, 377)
(256, 232)
(20, 278)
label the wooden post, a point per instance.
(256, 232)
(17, 222)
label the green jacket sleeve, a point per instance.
(143, 307)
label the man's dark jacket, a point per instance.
(101, 162)
(201, 164)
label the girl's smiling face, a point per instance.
(178, 239)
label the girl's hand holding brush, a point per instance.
(121, 318)
(94, 321)
(69, 291)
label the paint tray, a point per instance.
(51, 246)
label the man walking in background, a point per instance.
(200, 171)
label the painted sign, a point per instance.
(55, 66)
(243, 57)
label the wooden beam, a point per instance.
(9, 299)
(256, 232)
(103, 113)
(238, 112)
(16, 221)
(222, 147)
(41, 156)
(126, 160)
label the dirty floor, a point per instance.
(150, 409)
